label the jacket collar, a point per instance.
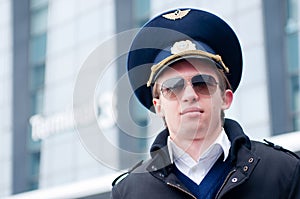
(161, 158)
(236, 136)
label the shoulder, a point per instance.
(275, 159)
(135, 183)
(126, 182)
(271, 150)
(138, 173)
(278, 166)
(138, 168)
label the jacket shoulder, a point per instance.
(271, 150)
(138, 182)
(280, 148)
(125, 174)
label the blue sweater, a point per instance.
(211, 183)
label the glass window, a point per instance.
(34, 4)
(39, 21)
(38, 48)
(34, 165)
(295, 94)
(292, 11)
(292, 52)
(37, 98)
(297, 122)
(292, 49)
(141, 11)
(37, 77)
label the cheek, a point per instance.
(217, 104)
(213, 104)
(170, 110)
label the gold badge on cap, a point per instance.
(178, 14)
(182, 46)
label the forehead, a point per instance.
(189, 67)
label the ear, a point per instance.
(227, 99)
(157, 106)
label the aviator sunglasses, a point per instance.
(203, 84)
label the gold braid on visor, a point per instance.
(155, 68)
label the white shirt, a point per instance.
(197, 170)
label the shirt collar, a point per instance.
(219, 146)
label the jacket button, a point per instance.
(234, 180)
(161, 175)
(153, 168)
(245, 168)
(250, 160)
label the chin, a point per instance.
(192, 132)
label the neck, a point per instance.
(196, 147)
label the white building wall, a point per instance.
(75, 29)
(5, 97)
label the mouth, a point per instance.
(191, 110)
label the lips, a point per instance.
(191, 110)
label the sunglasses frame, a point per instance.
(209, 89)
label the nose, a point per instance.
(189, 94)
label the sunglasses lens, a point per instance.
(204, 84)
(172, 87)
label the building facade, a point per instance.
(66, 115)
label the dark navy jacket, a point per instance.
(259, 171)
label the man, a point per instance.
(185, 65)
